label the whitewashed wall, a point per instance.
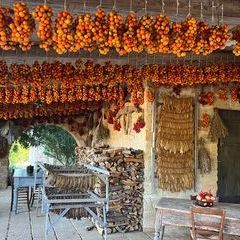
(145, 141)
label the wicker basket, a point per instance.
(204, 203)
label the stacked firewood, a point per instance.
(126, 184)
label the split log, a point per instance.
(126, 167)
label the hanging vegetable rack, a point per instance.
(59, 199)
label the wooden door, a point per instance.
(229, 159)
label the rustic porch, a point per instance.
(26, 225)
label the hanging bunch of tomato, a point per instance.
(63, 37)
(22, 26)
(109, 31)
(43, 14)
(5, 32)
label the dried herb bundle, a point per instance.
(175, 144)
(204, 160)
(217, 128)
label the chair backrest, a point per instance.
(208, 219)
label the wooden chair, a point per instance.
(207, 223)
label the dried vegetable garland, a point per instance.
(59, 82)
(236, 37)
(65, 183)
(204, 160)
(217, 128)
(80, 183)
(17, 111)
(175, 144)
(176, 125)
(48, 95)
(104, 31)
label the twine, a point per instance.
(177, 8)
(65, 5)
(131, 5)
(189, 8)
(163, 7)
(201, 12)
(115, 5)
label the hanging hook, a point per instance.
(100, 4)
(45, 2)
(201, 12)
(131, 5)
(163, 7)
(189, 8)
(114, 5)
(177, 8)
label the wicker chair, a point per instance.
(207, 223)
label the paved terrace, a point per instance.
(27, 226)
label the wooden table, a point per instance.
(172, 211)
(23, 179)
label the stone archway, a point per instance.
(75, 126)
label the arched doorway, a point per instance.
(47, 143)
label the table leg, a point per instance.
(15, 199)
(158, 225)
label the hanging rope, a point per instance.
(114, 5)
(65, 5)
(177, 7)
(100, 4)
(45, 2)
(84, 6)
(201, 12)
(146, 6)
(222, 14)
(189, 8)
(213, 8)
(131, 5)
(163, 7)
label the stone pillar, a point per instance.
(4, 171)
(149, 163)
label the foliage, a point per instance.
(57, 143)
(18, 155)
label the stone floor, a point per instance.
(27, 226)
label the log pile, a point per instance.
(126, 185)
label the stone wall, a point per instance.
(146, 141)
